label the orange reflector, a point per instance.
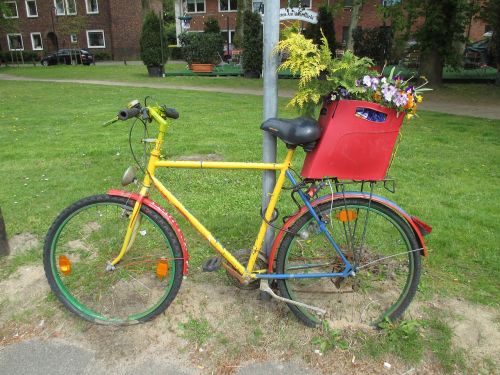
(64, 265)
(162, 268)
(346, 215)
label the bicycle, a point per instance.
(120, 258)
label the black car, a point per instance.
(66, 55)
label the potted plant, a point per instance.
(153, 45)
(202, 50)
(344, 78)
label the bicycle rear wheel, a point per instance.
(376, 241)
(87, 236)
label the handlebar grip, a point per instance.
(171, 113)
(128, 113)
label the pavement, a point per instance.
(40, 357)
(434, 104)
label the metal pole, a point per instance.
(270, 76)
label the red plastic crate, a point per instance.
(351, 147)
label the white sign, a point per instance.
(299, 14)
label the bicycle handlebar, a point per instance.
(128, 113)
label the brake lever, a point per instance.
(112, 121)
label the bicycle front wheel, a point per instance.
(87, 236)
(376, 241)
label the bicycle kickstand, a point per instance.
(264, 287)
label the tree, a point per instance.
(439, 28)
(211, 25)
(491, 14)
(443, 26)
(356, 7)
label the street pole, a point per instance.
(270, 77)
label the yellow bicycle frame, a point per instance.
(154, 162)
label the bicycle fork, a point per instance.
(130, 236)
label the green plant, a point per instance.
(102, 56)
(197, 331)
(201, 48)
(329, 338)
(403, 340)
(252, 43)
(320, 73)
(153, 47)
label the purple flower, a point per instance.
(367, 81)
(388, 91)
(358, 82)
(343, 92)
(374, 83)
(400, 99)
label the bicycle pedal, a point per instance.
(211, 264)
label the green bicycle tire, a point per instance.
(87, 235)
(380, 291)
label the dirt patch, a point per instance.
(26, 286)
(476, 329)
(20, 243)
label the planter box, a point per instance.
(202, 68)
(357, 141)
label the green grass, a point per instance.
(54, 151)
(197, 331)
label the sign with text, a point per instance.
(299, 14)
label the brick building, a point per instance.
(225, 12)
(43, 26)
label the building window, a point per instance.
(348, 3)
(60, 8)
(73, 38)
(196, 6)
(65, 7)
(70, 7)
(31, 10)
(388, 3)
(258, 6)
(228, 5)
(15, 42)
(225, 37)
(11, 10)
(300, 3)
(95, 39)
(345, 34)
(36, 41)
(92, 6)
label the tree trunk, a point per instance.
(4, 244)
(354, 23)
(497, 82)
(431, 67)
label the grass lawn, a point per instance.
(53, 151)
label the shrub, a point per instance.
(201, 48)
(102, 56)
(152, 53)
(175, 52)
(252, 42)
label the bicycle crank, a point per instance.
(264, 287)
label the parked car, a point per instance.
(64, 56)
